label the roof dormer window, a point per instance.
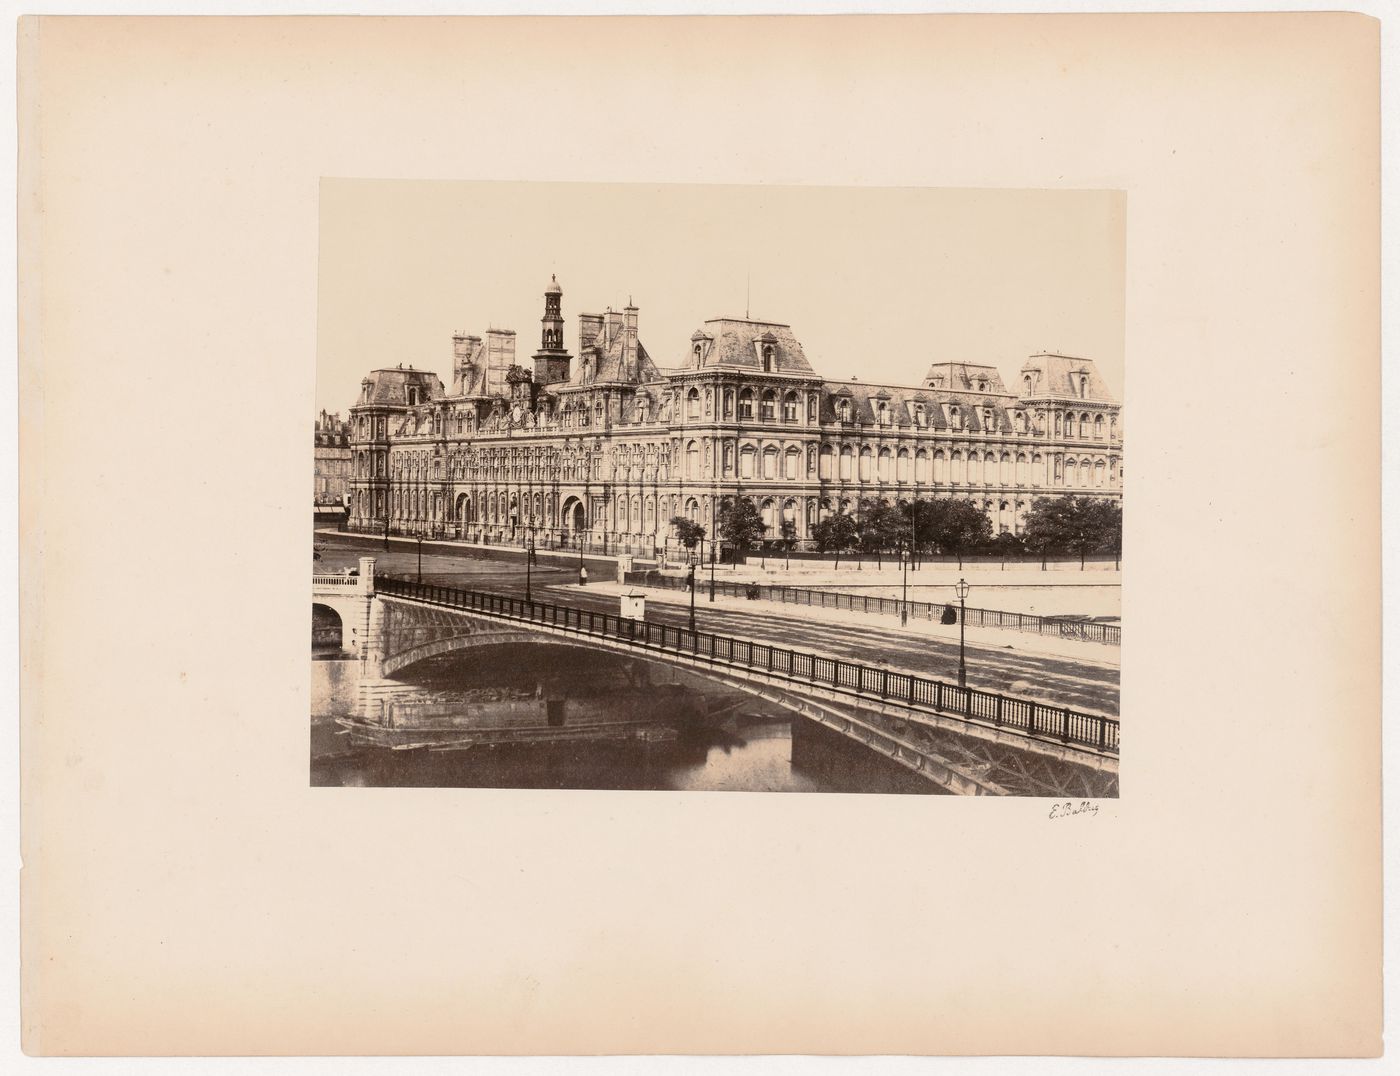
(1083, 386)
(981, 384)
(412, 395)
(920, 416)
(767, 358)
(843, 410)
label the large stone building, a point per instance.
(332, 461)
(611, 445)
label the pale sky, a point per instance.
(876, 282)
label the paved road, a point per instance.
(1061, 681)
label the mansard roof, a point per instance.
(735, 343)
(901, 401)
(605, 365)
(390, 386)
(963, 375)
(1059, 375)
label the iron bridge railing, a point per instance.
(1065, 628)
(1037, 719)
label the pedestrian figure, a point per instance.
(582, 576)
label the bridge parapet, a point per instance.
(957, 735)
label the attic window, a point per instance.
(882, 413)
(412, 395)
(955, 415)
(843, 410)
(767, 358)
(1083, 386)
(697, 354)
(920, 418)
(1027, 380)
(981, 384)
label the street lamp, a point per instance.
(529, 558)
(420, 552)
(904, 600)
(690, 580)
(962, 589)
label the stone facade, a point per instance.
(610, 445)
(332, 460)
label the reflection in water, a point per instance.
(693, 736)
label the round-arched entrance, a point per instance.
(572, 515)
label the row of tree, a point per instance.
(1055, 526)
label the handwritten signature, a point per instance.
(1069, 807)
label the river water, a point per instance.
(702, 738)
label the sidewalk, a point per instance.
(993, 639)
(505, 551)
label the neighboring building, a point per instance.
(332, 461)
(612, 445)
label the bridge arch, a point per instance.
(327, 628)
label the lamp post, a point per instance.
(690, 580)
(962, 589)
(529, 557)
(904, 600)
(713, 544)
(420, 552)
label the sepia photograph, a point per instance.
(718, 489)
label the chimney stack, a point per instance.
(629, 340)
(500, 357)
(590, 327)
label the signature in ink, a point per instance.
(1069, 807)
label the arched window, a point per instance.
(846, 463)
(955, 417)
(824, 462)
(1006, 469)
(1083, 386)
(1098, 427)
(902, 465)
(790, 407)
(920, 416)
(692, 460)
(843, 410)
(982, 384)
(865, 460)
(769, 517)
(940, 467)
(1026, 381)
(1057, 424)
(921, 466)
(811, 409)
(412, 395)
(728, 403)
(767, 358)
(884, 465)
(959, 468)
(697, 354)
(792, 464)
(882, 413)
(746, 405)
(1021, 474)
(692, 403)
(746, 458)
(768, 406)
